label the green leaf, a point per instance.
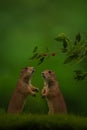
(39, 56)
(68, 60)
(65, 44)
(60, 37)
(34, 56)
(41, 60)
(77, 38)
(35, 49)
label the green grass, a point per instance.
(42, 122)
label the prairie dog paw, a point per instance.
(36, 89)
(34, 94)
(43, 96)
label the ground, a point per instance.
(41, 122)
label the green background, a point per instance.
(25, 24)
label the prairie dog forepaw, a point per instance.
(35, 89)
(44, 93)
(34, 94)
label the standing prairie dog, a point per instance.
(22, 90)
(52, 93)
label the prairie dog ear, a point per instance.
(24, 69)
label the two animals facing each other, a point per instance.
(24, 88)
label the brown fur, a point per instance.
(52, 93)
(22, 90)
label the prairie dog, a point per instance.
(22, 90)
(52, 93)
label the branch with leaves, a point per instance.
(40, 57)
(75, 50)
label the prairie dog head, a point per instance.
(49, 76)
(26, 74)
(25, 80)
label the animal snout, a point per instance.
(33, 70)
(42, 73)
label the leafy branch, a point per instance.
(75, 50)
(41, 57)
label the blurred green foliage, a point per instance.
(30, 23)
(76, 51)
(41, 122)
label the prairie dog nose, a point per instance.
(32, 68)
(42, 73)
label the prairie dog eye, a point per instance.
(25, 68)
(49, 71)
